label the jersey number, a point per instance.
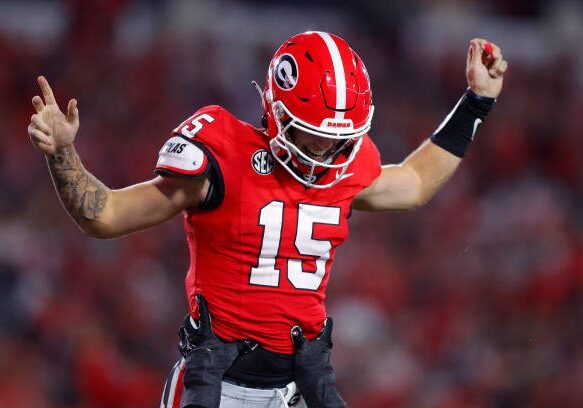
(191, 127)
(271, 218)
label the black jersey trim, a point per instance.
(216, 192)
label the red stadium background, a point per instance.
(475, 300)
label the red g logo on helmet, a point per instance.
(286, 72)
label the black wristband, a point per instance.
(457, 130)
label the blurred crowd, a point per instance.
(475, 300)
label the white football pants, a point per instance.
(234, 396)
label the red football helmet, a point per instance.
(317, 84)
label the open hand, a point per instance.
(50, 129)
(485, 68)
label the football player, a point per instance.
(265, 210)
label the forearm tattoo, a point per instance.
(82, 194)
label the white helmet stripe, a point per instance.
(339, 76)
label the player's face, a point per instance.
(316, 147)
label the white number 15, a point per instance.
(271, 218)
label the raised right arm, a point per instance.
(98, 210)
(104, 213)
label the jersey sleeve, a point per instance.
(373, 158)
(180, 157)
(185, 153)
(367, 164)
(190, 152)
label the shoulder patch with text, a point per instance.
(180, 156)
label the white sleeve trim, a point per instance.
(180, 156)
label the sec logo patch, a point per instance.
(262, 162)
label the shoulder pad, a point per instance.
(180, 156)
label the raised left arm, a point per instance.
(415, 181)
(410, 184)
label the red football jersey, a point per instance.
(261, 258)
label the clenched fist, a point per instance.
(485, 68)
